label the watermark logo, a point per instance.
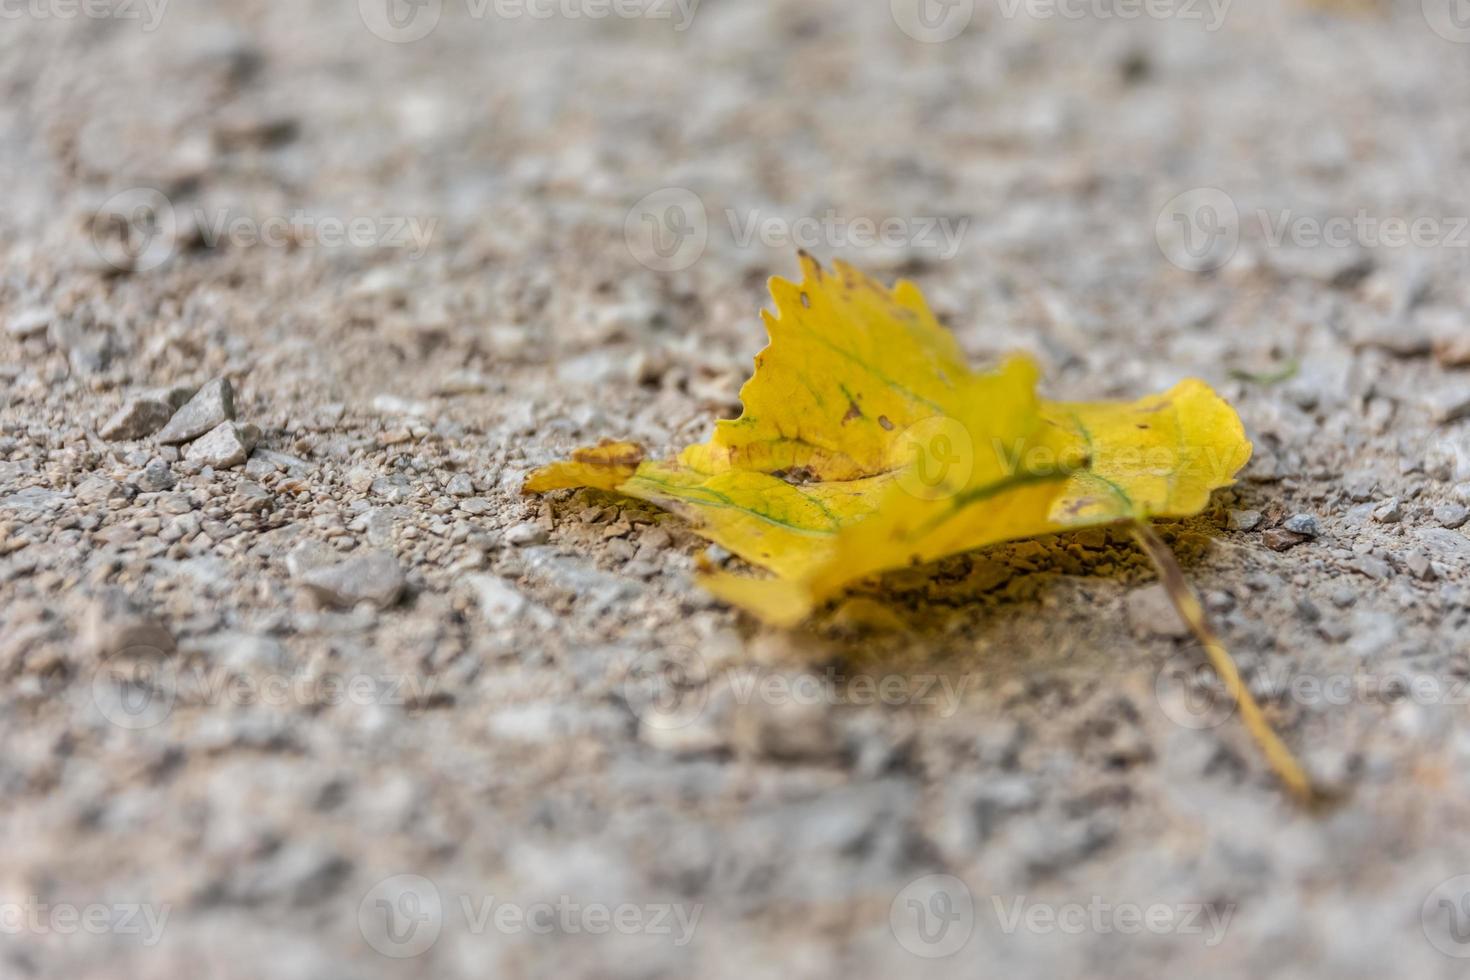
(135, 688)
(1450, 19)
(1198, 230)
(1193, 696)
(34, 917)
(668, 230)
(401, 916)
(1101, 916)
(935, 458)
(1210, 13)
(932, 21)
(937, 234)
(400, 21)
(140, 688)
(149, 13)
(406, 21)
(135, 230)
(933, 916)
(667, 688)
(140, 229)
(303, 229)
(1445, 917)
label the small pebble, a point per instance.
(211, 407)
(1245, 520)
(360, 479)
(1360, 487)
(176, 396)
(1304, 524)
(139, 417)
(1396, 338)
(525, 535)
(375, 577)
(1391, 511)
(1453, 352)
(29, 323)
(1449, 405)
(1151, 613)
(1419, 566)
(1375, 568)
(153, 478)
(499, 600)
(1280, 539)
(1452, 515)
(224, 446)
(1217, 601)
(252, 497)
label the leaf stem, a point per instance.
(1278, 756)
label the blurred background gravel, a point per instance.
(313, 692)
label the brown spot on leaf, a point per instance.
(796, 476)
(853, 412)
(887, 425)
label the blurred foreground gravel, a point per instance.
(301, 687)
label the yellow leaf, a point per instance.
(1160, 456)
(605, 466)
(849, 364)
(867, 444)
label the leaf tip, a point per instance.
(605, 466)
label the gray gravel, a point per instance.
(210, 408)
(337, 701)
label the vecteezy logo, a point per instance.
(1450, 19)
(668, 230)
(1445, 917)
(932, 21)
(400, 21)
(401, 916)
(666, 688)
(1192, 697)
(135, 688)
(934, 458)
(135, 230)
(1198, 230)
(933, 916)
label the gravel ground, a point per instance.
(294, 683)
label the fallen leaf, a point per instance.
(867, 444)
(1160, 456)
